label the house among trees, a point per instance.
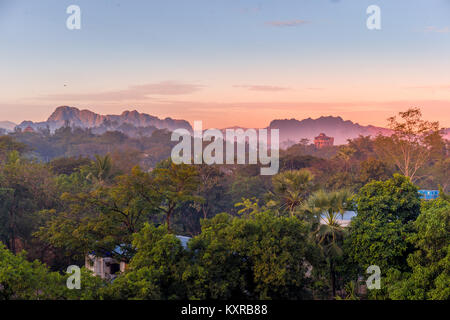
(107, 267)
(322, 140)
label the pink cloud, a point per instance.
(432, 87)
(437, 30)
(261, 88)
(136, 92)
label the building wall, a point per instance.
(102, 266)
(323, 141)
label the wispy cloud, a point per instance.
(137, 92)
(431, 87)
(289, 23)
(261, 88)
(437, 30)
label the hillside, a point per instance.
(7, 125)
(88, 119)
(134, 123)
(295, 130)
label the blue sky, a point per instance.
(221, 61)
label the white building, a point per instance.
(109, 268)
(104, 267)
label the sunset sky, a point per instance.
(227, 62)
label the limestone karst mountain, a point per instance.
(291, 130)
(88, 119)
(341, 130)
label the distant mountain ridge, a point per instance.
(341, 130)
(446, 133)
(7, 125)
(88, 119)
(291, 130)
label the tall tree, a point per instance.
(411, 144)
(373, 170)
(174, 185)
(156, 270)
(345, 153)
(212, 188)
(377, 235)
(25, 187)
(255, 256)
(101, 169)
(290, 189)
(329, 233)
(7, 145)
(430, 262)
(102, 220)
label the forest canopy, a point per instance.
(71, 194)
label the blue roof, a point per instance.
(429, 194)
(429, 191)
(119, 249)
(184, 240)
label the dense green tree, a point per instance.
(173, 185)
(246, 187)
(100, 220)
(440, 173)
(340, 180)
(213, 189)
(21, 279)
(377, 235)
(295, 161)
(24, 280)
(8, 144)
(430, 263)
(396, 198)
(218, 272)
(373, 169)
(156, 270)
(25, 187)
(104, 219)
(290, 189)
(363, 147)
(257, 256)
(68, 166)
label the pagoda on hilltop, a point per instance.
(28, 130)
(322, 140)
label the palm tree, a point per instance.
(290, 189)
(101, 169)
(329, 235)
(345, 153)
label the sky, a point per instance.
(226, 62)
